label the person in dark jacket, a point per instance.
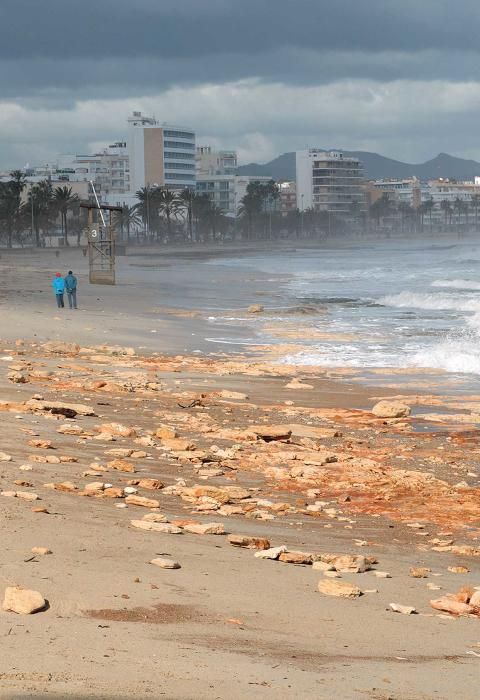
(71, 287)
(58, 285)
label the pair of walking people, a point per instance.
(65, 284)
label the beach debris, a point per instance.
(165, 432)
(41, 551)
(205, 529)
(249, 542)
(141, 501)
(121, 465)
(167, 528)
(41, 444)
(23, 601)
(340, 589)
(272, 553)
(450, 605)
(419, 572)
(116, 429)
(290, 557)
(269, 433)
(353, 564)
(391, 409)
(255, 309)
(297, 383)
(165, 563)
(69, 410)
(59, 347)
(403, 609)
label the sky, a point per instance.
(260, 76)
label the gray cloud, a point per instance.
(67, 68)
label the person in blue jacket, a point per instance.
(71, 287)
(58, 285)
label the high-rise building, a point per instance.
(160, 155)
(329, 182)
(210, 162)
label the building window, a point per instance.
(179, 166)
(179, 156)
(179, 176)
(179, 134)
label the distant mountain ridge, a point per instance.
(376, 167)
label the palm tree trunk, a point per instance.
(65, 231)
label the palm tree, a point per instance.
(429, 205)
(251, 205)
(126, 219)
(65, 200)
(147, 206)
(9, 211)
(168, 205)
(187, 198)
(446, 207)
(458, 207)
(475, 202)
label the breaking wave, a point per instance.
(457, 284)
(431, 302)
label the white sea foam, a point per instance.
(432, 302)
(457, 284)
(459, 356)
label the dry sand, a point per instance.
(226, 624)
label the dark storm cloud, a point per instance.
(264, 76)
(258, 30)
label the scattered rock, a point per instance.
(354, 564)
(117, 429)
(295, 557)
(458, 569)
(23, 601)
(141, 501)
(419, 572)
(5, 458)
(255, 309)
(403, 609)
(121, 465)
(205, 529)
(249, 542)
(391, 409)
(269, 433)
(156, 527)
(165, 563)
(340, 589)
(166, 432)
(41, 551)
(57, 347)
(449, 605)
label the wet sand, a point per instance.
(403, 492)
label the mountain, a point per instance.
(376, 167)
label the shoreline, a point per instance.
(344, 481)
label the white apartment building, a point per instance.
(227, 191)
(211, 162)
(329, 181)
(159, 154)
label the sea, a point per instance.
(405, 305)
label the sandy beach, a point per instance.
(131, 435)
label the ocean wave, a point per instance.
(459, 357)
(431, 302)
(457, 284)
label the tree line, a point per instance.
(457, 214)
(36, 218)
